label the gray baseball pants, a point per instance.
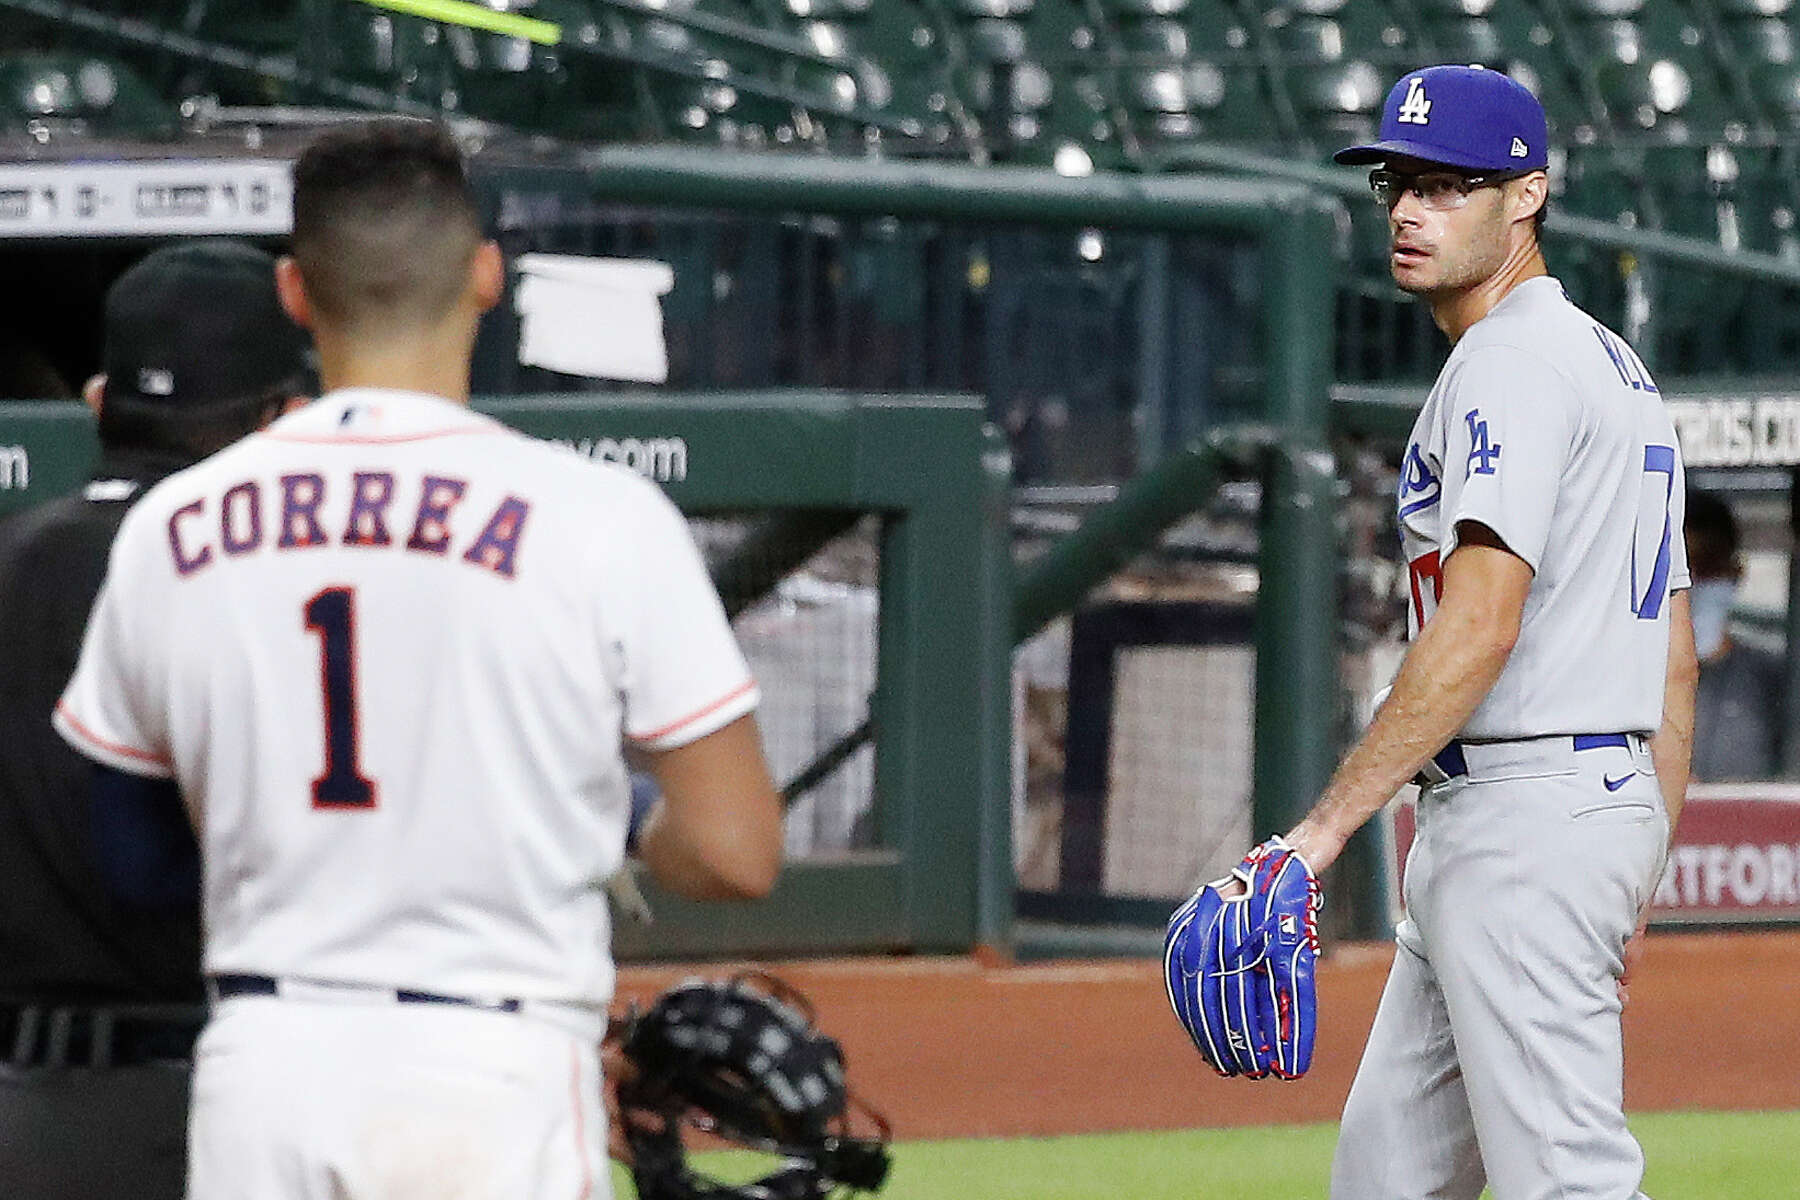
(1496, 1057)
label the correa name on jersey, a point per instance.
(288, 513)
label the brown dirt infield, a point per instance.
(948, 1047)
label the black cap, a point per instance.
(197, 325)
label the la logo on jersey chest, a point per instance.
(304, 510)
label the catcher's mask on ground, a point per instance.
(742, 1059)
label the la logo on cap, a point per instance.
(1519, 150)
(1416, 108)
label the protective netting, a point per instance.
(809, 631)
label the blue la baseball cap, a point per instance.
(1467, 117)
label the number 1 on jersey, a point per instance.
(332, 615)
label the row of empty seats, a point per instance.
(1018, 78)
(1682, 114)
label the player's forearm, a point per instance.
(1452, 666)
(710, 862)
(716, 833)
(1672, 747)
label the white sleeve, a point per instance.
(104, 712)
(684, 675)
(1511, 424)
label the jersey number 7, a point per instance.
(332, 615)
(1652, 539)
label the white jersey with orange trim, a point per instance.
(1545, 427)
(388, 648)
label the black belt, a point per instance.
(97, 1036)
(1452, 762)
(225, 987)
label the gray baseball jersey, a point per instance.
(1496, 1058)
(1545, 427)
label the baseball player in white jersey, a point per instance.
(387, 649)
(1546, 701)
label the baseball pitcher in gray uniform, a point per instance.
(1546, 703)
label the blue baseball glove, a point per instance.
(1238, 962)
(1210, 957)
(1284, 902)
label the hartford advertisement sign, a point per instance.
(1735, 859)
(1736, 856)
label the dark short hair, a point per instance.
(384, 223)
(1712, 533)
(129, 424)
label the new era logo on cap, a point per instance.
(155, 381)
(1519, 149)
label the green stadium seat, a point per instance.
(1000, 9)
(1216, 30)
(1453, 10)
(1763, 40)
(1038, 77)
(899, 66)
(1605, 9)
(1652, 100)
(1227, 80)
(1660, 77)
(1340, 104)
(1761, 50)
(1127, 9)
(1465, 40)
(844, 83)
(1778, 88)
(79, 95)
(997, 41)
(1691, 190)
(252, 24)
(1333, 30)
(1754, 8)
(1158, 39)
(1310, 40)
(1659, 72)
(1162, 91)
(514, 81)
(830, 9)
(1595, 182)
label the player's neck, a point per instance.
(435, 363)
(1454, 312)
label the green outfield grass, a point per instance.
(1693, 1156)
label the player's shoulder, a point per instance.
(1535, 322)
(1535, 335)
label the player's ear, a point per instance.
(1532, 194)
(487, 275)
(93, 392)
(291, 289)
